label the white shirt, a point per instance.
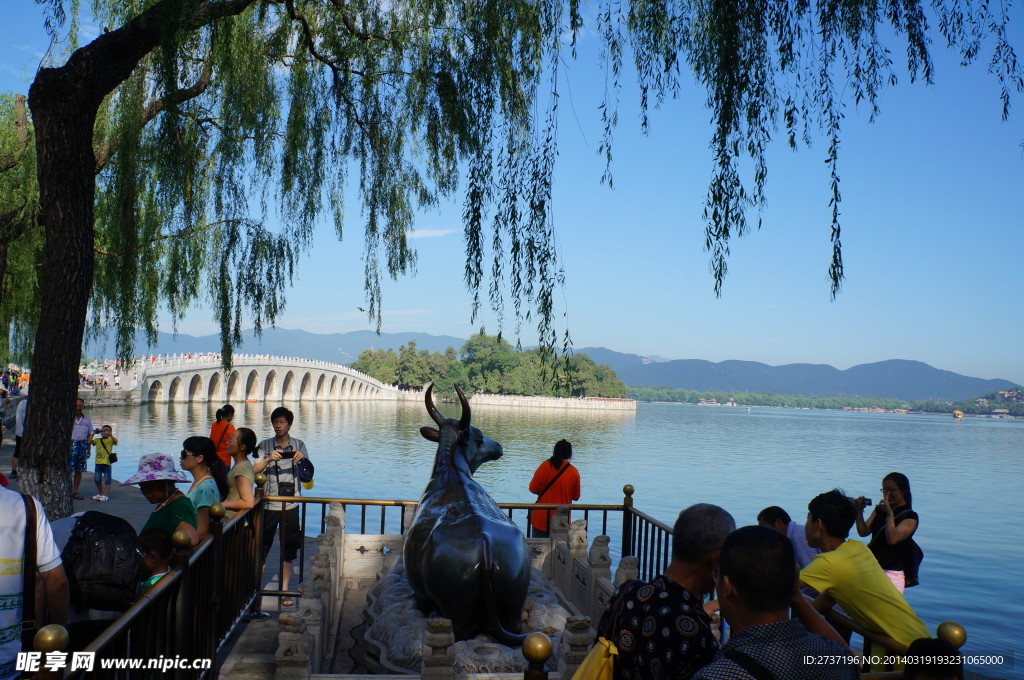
(12, 556)
(804, 552)
(19, 418)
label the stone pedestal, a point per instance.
(294, 657)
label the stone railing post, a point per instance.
(600, 568)
(311, 610)
(628, 570)
(438, 658)
(576, 640)
(336, 527)
(293, 659)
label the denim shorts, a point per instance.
(102, 474)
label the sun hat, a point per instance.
(156, 466)
(304, 470)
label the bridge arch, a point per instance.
(332, 392)
(318, 394)
(216, 387)
(288, 392)
(252, 386)
(306, 387)
(175, 392)
(271, 392)
(195, 389)
(233, 393)
(156, 392)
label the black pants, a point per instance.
(292, 533)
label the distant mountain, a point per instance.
(340, 348)
(895, 378)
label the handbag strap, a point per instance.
(554, 479)
(749, 664)
(28, 589)
(221, 438)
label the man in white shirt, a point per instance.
(12, 559)
(774, 517)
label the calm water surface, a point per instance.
(966, 476)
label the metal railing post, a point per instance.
(182, 605)
(627, 521)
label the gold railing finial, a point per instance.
(951, 632)
(51, 638)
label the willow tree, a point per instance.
(154, 155)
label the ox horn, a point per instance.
(464, 420)
(431, 409)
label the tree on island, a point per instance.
(151, 157)
(489, 363)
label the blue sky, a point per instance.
(932, 235)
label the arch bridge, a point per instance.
(255, 377)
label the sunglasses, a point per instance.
(186, 454)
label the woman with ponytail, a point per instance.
(241, 477)
(209, 479)
(221, 430)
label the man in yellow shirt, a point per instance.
(847, 574)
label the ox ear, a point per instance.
(431, 433)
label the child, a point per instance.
(104, 448)
(157, 544)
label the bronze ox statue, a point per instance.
(464, 557)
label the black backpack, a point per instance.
(103, 561)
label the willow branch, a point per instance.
(153, 109)
(21, 131)
(336, 69)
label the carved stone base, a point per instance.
(395, 627)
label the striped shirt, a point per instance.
(280, 471)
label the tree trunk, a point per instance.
(63, 113)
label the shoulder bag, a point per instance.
(600, 662)
(554, 479)
(111, 456)
(28, 589)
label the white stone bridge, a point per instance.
(253, 377)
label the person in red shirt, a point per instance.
(220, 432)
(555, 481)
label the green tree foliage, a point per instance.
(490, 364)
(154, 153)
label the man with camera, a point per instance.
(276, 457)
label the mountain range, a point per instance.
(895, 378)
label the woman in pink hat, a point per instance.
(174, 511)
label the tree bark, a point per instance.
(63, 116)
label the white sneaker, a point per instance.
(104, 498)
(97, 497)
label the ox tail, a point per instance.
(487, 570)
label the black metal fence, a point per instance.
(176, 627)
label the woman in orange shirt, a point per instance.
(555, 481)
(221, 430)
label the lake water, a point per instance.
(966, 476)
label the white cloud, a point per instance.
(90, 31)
(428, 233)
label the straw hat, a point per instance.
(154, 467)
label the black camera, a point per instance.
(287, 453)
